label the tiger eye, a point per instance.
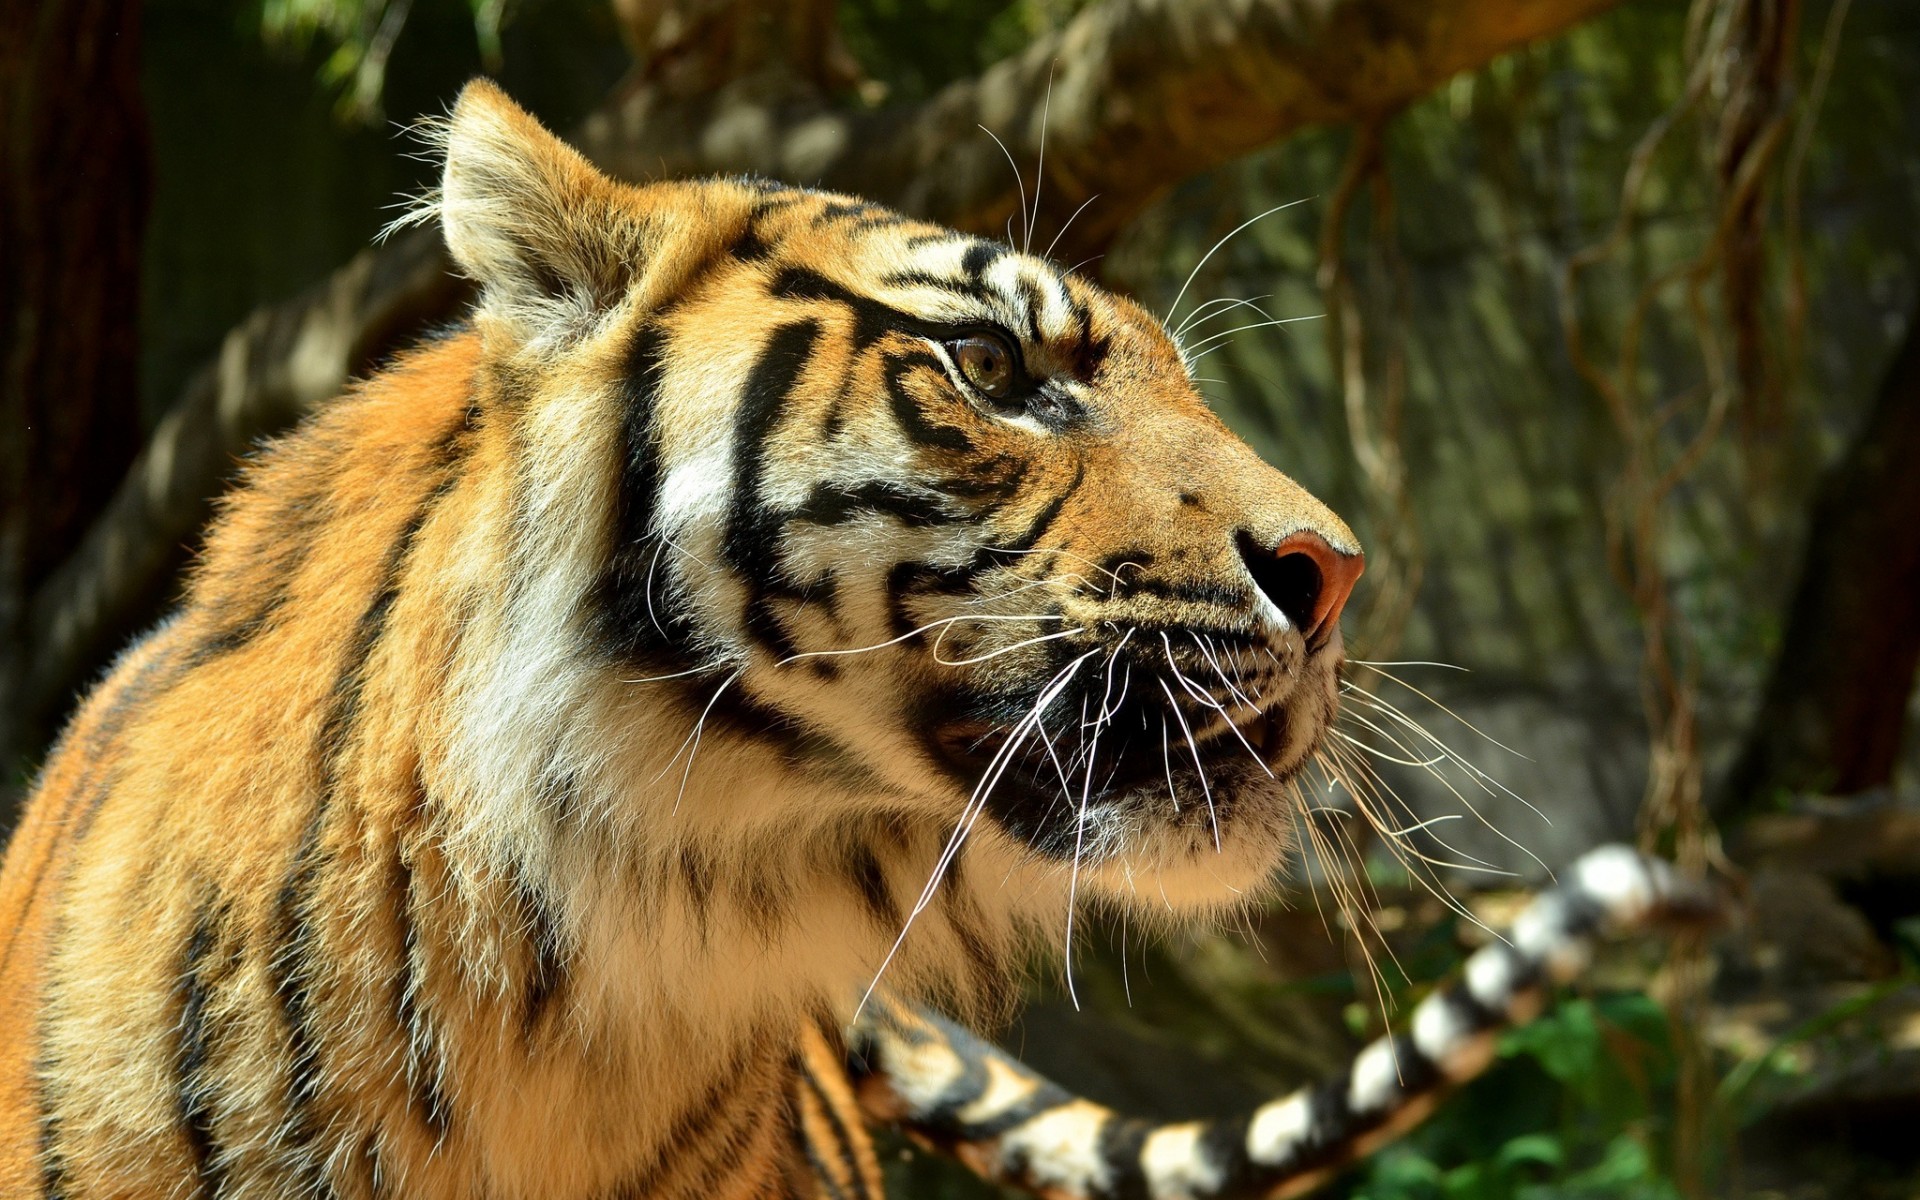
(986, 363)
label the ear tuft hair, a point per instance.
(527, 216)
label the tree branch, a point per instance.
(1144, 94)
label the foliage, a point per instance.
(916, 46)
(362, 35)
(911, 47)
(1575, 1109)
(1513, 465)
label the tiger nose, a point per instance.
(1306, 578)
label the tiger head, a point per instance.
(949, 523)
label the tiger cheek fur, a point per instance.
(572, 715)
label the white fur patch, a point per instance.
(697, 487)
(923, 1073)
(1061, 1147)
(1005, 1088)
(1440, 1031)
(1375, 1081)
(1541, 933)
(1277, 1128)
(1490, 978)
(1174, 1165)
(1621, 880)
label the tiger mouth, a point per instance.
(1152, 764)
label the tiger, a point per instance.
(588, 751)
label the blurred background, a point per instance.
(1596, 318)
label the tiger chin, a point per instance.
(762, 595)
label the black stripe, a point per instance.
(979, 257)
(1091, 353)
(1465, 1010)
(695, 1123)
(822, 1174)
(996, 480)
(764, 901)
(1581, 913)
(835, 504)
(53, 1165)
(848, 1140)
(1224, 1143)
(697, 874)
(154, 678)
(1330, 1123)
(1121, 1141)
(906, 580)
(872, 319)
(1215, 595)
(963, 917)
(854, 210)
(906, 410)
(966, 289)
(630, 623)
(424, 1065)
(1414, 1072)
(1030, 294)
(751, 541)
(1044, 520)
(296, 955)
(292, 532)
(762, 623)
(195, 1090)
(870, 881)
(546, 952)
(749, 246)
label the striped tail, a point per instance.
(961, 1095)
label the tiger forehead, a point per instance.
(947, 277)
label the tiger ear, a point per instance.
(528, 217)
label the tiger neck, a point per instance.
(705, 885)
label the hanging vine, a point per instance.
(1739, 94)
(1374, 400)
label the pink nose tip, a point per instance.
(1308, 580)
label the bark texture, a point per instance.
(1144, 94)
(73, 203)
(1836, 705)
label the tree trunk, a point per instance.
(1836, 705)
(1143, 94)
(73, 203)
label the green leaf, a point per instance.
(1532, 1149)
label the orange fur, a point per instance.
(407, 860)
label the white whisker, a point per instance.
(1228, 304)
(1069, 224)
(913, 633)
(976, 803)
(1199, 767)
(993, 654)
(1382, 754)
(1227, 333)
(1018, 179)
(1193, 274)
